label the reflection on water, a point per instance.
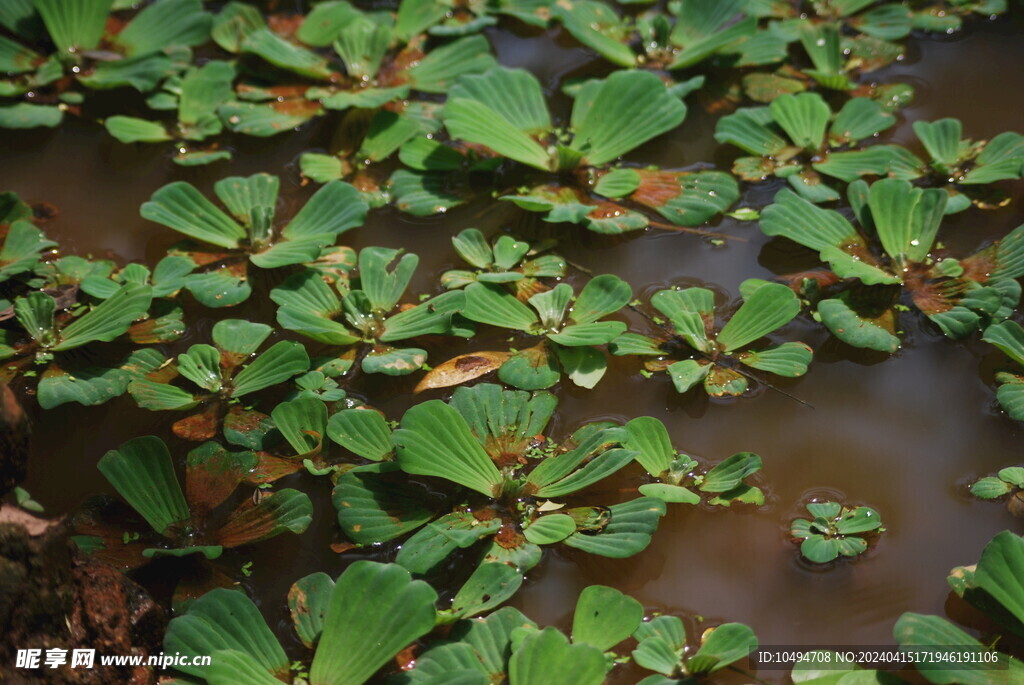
(902, 435)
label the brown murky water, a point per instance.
(904, 435)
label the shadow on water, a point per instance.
(902, 434)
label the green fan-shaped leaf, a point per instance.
(251, 201)
(281, 362)
(489, 586)
(220, 620)
(999, 572)
(496, 306)
(475, 122)
(165, 24)
(332, 210)
(545, 657)
(442, 66)
(375, 505)
(601, 296)
(941, 139)
(239, 337)
(308, 599)
(627, 532)
(701, 30)
(384, 287)
(750, 129)
(376, 610)
(362, 431)
(731, 472)
(76, 25)
(26, 115)
(513, 92)
(434, 440)
(856, 328)
(180, 206)
(906, 218)
(629, 108)
(604, 617)
(596, 25)
(550, 529)
(860, 118)
(691, 312)
(267, 119)
(788, 359)
(768, 308)
(726, 644)
(279, 52)
(649, 438)
(134, 130)
(303, 423)
(109, 319)
(142, 472)
(1008, 336)
(803, 117)
(436, 541)
(941, 638)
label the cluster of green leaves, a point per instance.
(223, 244)
(835, 530)
(569, 173)
(797, 137)
(218, 375)
(858, 300)
(65, 45)
(947, 653)
(364, 310)
(491, 444)
(676, 472)
(1007, 481)
(351, 628)
(177, 522)
(712, 358)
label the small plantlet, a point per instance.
(1009, 481)
(835, 530)
(693, 352)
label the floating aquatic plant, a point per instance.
(570, 329)
(579, 182)
(354, 627)
(224, 245)
(503, 261)
(795, 136)
(676, 473)
(992, 587)
(860, 299)
(1008, 336)
(176, 522)
(48, 326)
(711, 357)
(685, 35)
(508, 645)
(449, 18)
(195, 96)
(661, 647)
(835, 530)
(490, 443)
(92, 47)
(1008, 480)
(22, 244)
(218, 375)
(370, 314)
(964, 168)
